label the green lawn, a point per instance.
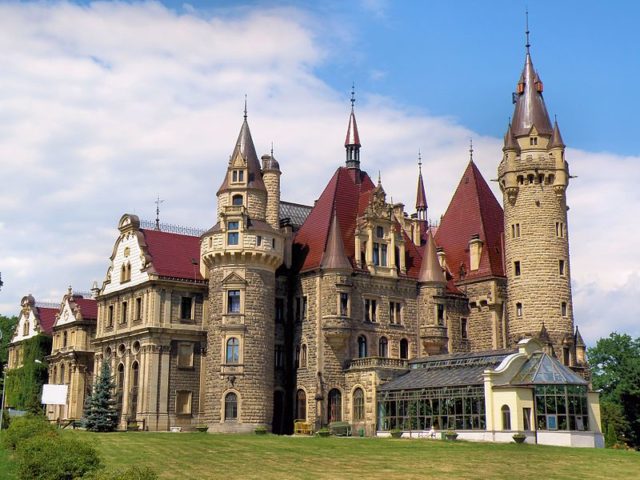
(203, 456)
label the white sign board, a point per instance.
(54, 394)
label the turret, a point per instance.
(352, 141)
(421, 197)
(432, 314)
(271, 177)
(240, 255)
(533, 177)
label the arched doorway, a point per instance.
(277, 425)
(334, 411)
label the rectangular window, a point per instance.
(395, 313)
(376, 254)
(516, 268)
(370, 310)
(123, 316)
(279, 353)
(233, 301)
(440, 317)
(561, 266)
(138, 311)
(383, 255)
(518, 309)
(186, 307)
(344, 304)
(258, 240)
(185, 355)
(563, 309)
(110, 316)
(233, 235)
(279, 310)
(234, 176)
(380, 232)
(273, 243)
(241, 176)
(526, 416)
(183, 402)
(463, 328)
(301, 308)
(559, 229)
(515, 230)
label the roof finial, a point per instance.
(158, 202)
(353, 95)
(379, 178)
(471, 148)
(271, 149)
(419, 161)
(245, 106)
(527, 30)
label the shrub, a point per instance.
(55, 458)
(131, 473)
(260, 430)
(24, 428)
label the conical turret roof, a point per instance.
(421, 197)
(245, 147)
(556, 138)
(579, 342)
(530, 108)
(430, 270)
(334, 257)
(510, 142)
(353, 137)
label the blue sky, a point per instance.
(105, 106)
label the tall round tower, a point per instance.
(533, 177)
(240, 255)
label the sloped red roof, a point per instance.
(350, 191)
(345, 190)
(174, 255)
(47, 317)
(473, 210)
(88, 307)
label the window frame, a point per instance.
(189, 364)
(188, 403)
(233, 356)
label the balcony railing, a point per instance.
(378, 362)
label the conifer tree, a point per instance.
(100, 413)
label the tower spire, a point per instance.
(530, 110)
(245, 106)
(527, 45)
(352, 141)
(421, 198)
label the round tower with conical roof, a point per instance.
(240, 255)
(533, 176)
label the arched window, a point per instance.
(25, 329)
(231, 407)
(506, 418)
(62, 374)
(237, 200)
(233, 350)
(383, 347)
(334, 413)
(404, 348)
(133, 400)
(358, 404)
(303, 356)
(54, 374)
(64, 339)
(362, 346)
(301, 405)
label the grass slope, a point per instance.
(193, 455)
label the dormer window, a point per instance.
(533, 141)
(380, 232)
(237, 176)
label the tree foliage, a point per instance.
(7, 326)
(615, 363)
(24, 384)
(100, 413)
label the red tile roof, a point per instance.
(174, 255)
(46, 318)
(349, 191)
(88, 307)
(473, 210)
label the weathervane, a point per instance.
(353, 95)
(158, 202)
(471, 148)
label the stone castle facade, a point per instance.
(282, 312)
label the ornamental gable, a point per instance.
(128, 264)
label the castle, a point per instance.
(282, 314)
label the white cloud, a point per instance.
(108, 105)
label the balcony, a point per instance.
(367, 363)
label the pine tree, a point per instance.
(100, 413)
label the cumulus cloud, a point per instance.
(107, 105)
